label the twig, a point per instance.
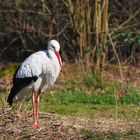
(120, 66)
(125, 22)
(11, 42)
(31, 12)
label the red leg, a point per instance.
(36, 109)
(33, 104)
(37, 105)
(34, 113)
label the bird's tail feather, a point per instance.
(13, 93)
(18, 85)
(11, 96)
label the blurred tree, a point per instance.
(86, 30)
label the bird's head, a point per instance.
(54, 45)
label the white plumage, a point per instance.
(36, 73)
(42, 64)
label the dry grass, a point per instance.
(53, 127)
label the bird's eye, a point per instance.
(53, 47)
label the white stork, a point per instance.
(39, 71)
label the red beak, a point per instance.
(58, 57)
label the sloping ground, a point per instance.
(54, 127)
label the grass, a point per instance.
(92, 106)
(93, 80)
(8, 70)
(104, 98)
(92, 111)
(110, 136)
(92, 98)
(73, 100)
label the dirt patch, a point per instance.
(55, 127)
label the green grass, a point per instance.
(92, 111)
(93, 80)
(8, 70)
(103, 98)
(124, 112)
(93, 106)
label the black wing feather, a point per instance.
(18, 84)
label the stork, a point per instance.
(39, 71)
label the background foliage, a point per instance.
(82, 27)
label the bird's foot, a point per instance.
(36, 125)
